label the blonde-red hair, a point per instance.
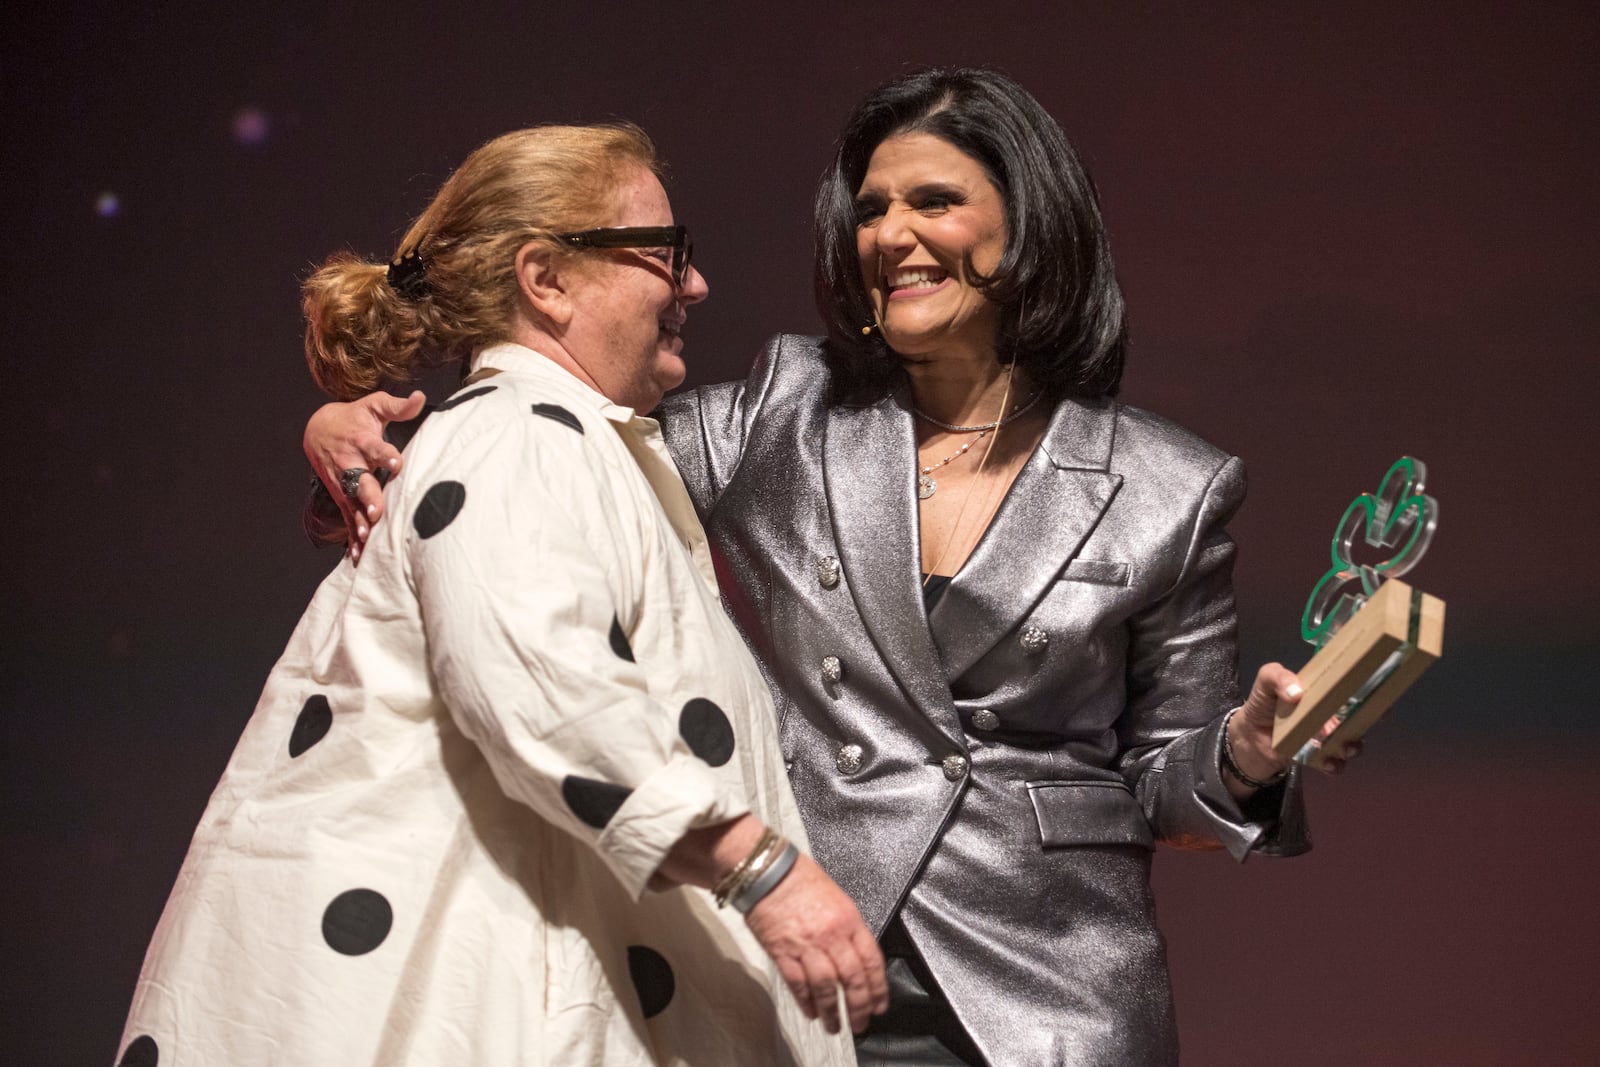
(524, 186)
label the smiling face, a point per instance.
(627, 311)
(925, 207)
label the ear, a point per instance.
(543, 282)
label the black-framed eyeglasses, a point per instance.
(673, 237)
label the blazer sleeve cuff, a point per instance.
(1272, 822)
(1189, 805)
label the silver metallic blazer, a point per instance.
(997, 771)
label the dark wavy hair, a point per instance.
(1062, 310)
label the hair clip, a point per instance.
(408, 276)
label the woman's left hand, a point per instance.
(1250, 729)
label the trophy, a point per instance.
(1374, 634)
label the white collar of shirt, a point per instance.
(639, 434)
(508, 357)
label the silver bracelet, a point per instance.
(768, 880)
(734, 882)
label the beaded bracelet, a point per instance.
(1232, 767)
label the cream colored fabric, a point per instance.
(475, 754)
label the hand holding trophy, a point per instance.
(1374, 634)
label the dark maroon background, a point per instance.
(1345, 234)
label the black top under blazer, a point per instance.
(1000, 793)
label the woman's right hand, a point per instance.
(340, 437)
(816, 937)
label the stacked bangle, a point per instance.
(758, 873)
(765, 882)
(1232, 767)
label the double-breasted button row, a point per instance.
(849, 758)
(828, 572)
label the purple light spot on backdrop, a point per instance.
(108, 205)
(251, 126)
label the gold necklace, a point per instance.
(1005, 400)
(926, 486)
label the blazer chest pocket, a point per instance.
(1098, 571)
(1088, 813)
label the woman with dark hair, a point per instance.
(994, 604)
(1054, 271)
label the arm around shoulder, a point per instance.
(706, 428)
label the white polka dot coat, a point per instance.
(432, 843)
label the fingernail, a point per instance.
(355, 554)
(1293, 690)
(372, 511)
(394, 464)
(361, 531)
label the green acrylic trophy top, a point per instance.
(1400, 519)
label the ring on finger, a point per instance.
(350, 481)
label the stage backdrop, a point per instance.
(1345, 234)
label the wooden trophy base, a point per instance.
(1361, 671)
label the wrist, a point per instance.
(761, 884)
(705, 855)
(758, 873)
(1243, 759)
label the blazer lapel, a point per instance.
(1053, 505)
(869, 463)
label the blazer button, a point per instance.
(1033, 639)
(828, 572)
(984, 719)
(955, 767)
(849, 759)
(832, 669)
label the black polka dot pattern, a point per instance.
(142, 1051)
(652, 979)
(560, 414)
(357, 921)
(593, 801)
(311, 725)
(707, 730)
(619, 640)
(439, 508)
(462, 398)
